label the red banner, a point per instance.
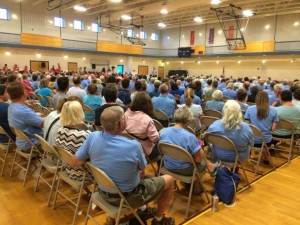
(230, 32)
(192, 38)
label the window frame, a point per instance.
(132, 33)
(62, 22)
(81, 23)
(98, 27)
(155, 36)
(144, 36)
(7, 13)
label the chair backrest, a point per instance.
(250, 103)
(158, 125)
(2, 131)
(206, 121)
(45, 146)
(285, 124)
(177, 97)
(41, 98)
(101, 178)
(33, 96)
(175, 152)
(158, 114)
(49, 101)
(220, 141)
(20, 135)
(87, 109)
(64, 155)
(256, 131)
(211, 112)
(97, 127)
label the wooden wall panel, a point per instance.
(42, 66)
(258, 46)
(41, 40)
(119, 48)
(161, 71)
(72, 66)
(143, 70)
(197, 49)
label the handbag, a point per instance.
(226, 185)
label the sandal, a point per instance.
(214, 173)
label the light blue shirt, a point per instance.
(231, 94)
(291, 113)
(182, 138)
(119, 157)
(196, 100)
(272, 97)
(165, 104)
(265, 125)
(26, 120)
(243, 139)
(150, 87)
(215, 105)
(85, 83)
(93, 101)
(44, 92)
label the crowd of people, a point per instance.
(125, 104)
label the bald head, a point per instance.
(164, 89)
(111, 118)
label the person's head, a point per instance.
(189, 95)
(183, 115)
(262, 104)
(164, 89)
(197, 85)
(34, 77)
(25, 76)
(142, 102)
(92, 89)
(53, 78)
(111, 79)
(174, 86)
(76, 80)
(217, 95)
(63, 84)
(113, 119)
(138, 86)
(110, 94)
(278, 88)
(254, 90)
(215, 84)
(44, 83)
(71, 114)
(62, 101)
(230, 86)
(241, 95)
(297, 94)
(125, 83)
(16, 91)
(232, 115)
(157, 84)
(3, 93)
(286, 96)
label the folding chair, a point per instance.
(115, 212)
(258, 133)
(6, 148)
(88, 109)
(28, 156)
(158, 125)
(41, 98)
(213, 113)
(48, 165)
(206, 121)
(177, 98)
(224, 142)
(66, 157)
(180, 154)
(287, 125)
(161, 117)
(49, 102)
(97, 127)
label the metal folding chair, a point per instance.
(158, 125)
(161, 117)
(89, 110)
(213, 113)
(6, 148)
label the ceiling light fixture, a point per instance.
(247, 13)
(162, 25)
(121, 60)
(84, 58)
(89, 27)
(167, 63)
(267, 27)
(217, 62)
(14, 16)
(239, 62)
(220, 32)
(263, 61)
(164, 11)
(70, 24)
(200, 34)
(296, 24)
(115, 1)
(50, 21)
(66, 57)
(198, 19)
(126, 17)
(80, 8)
(215, 2)
(7, 53)
(38, 55)
(242, 29)
(198, 62)
(181, 62)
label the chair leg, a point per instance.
(138, 217)
(13, 164)
(119, 212)
(291, 150)
(78, 202)
(56, 192)
(88, 212)
(4, 160)
(248, 184)
(27, 169)
(38, 179)
(190, 197)
(258, 161)
(52, 188)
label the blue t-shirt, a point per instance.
(119, 157)
(26, 120)
(4, 123)
(93, 101)
(215, 105)
(150, 87)
(231, 94)
(44, 92)
(272, 97)
(265, 125)
(164, 103)
(84, 84)
(196, 100)
(243, 139)
(182, 138)
(124, 96)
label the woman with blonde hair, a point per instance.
(232, 126)
(44, 91)
(70, 137)
(195, 108)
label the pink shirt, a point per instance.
(142, 126)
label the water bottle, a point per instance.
(215, 203)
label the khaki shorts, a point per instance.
(147, 191)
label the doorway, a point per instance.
(72, 66)
(120, 69)
(143, 70)
(161, 71)
(42, 66)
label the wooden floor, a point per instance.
(273, 199)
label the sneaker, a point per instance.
(147, 213)
(164, 221)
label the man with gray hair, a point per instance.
(103, 149)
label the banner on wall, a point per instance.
(192, 38)
(211, 36)
(230, 32)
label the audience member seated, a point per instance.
(296, 100)
(196, 100)
(3, 115)
(27, 88)
(44, 91)
(264, 117)
(51, 84)
(210, 91)
(76, 89)
(179, 136)
(63, 87)
(104, 148)
(271, 93)
(232, 126)
(287, 111)
(140, 124)
(163, 102)
(278, 88)
(241, 98)
(175, 90)
(92, 100)
(217, 102)
(155, 92)
(22, 117)
(197, 86)
(139, 87)
(110, 94)
(124, 93)
(196, 109)
(253, 92)
(70, 137)
(229, 92)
